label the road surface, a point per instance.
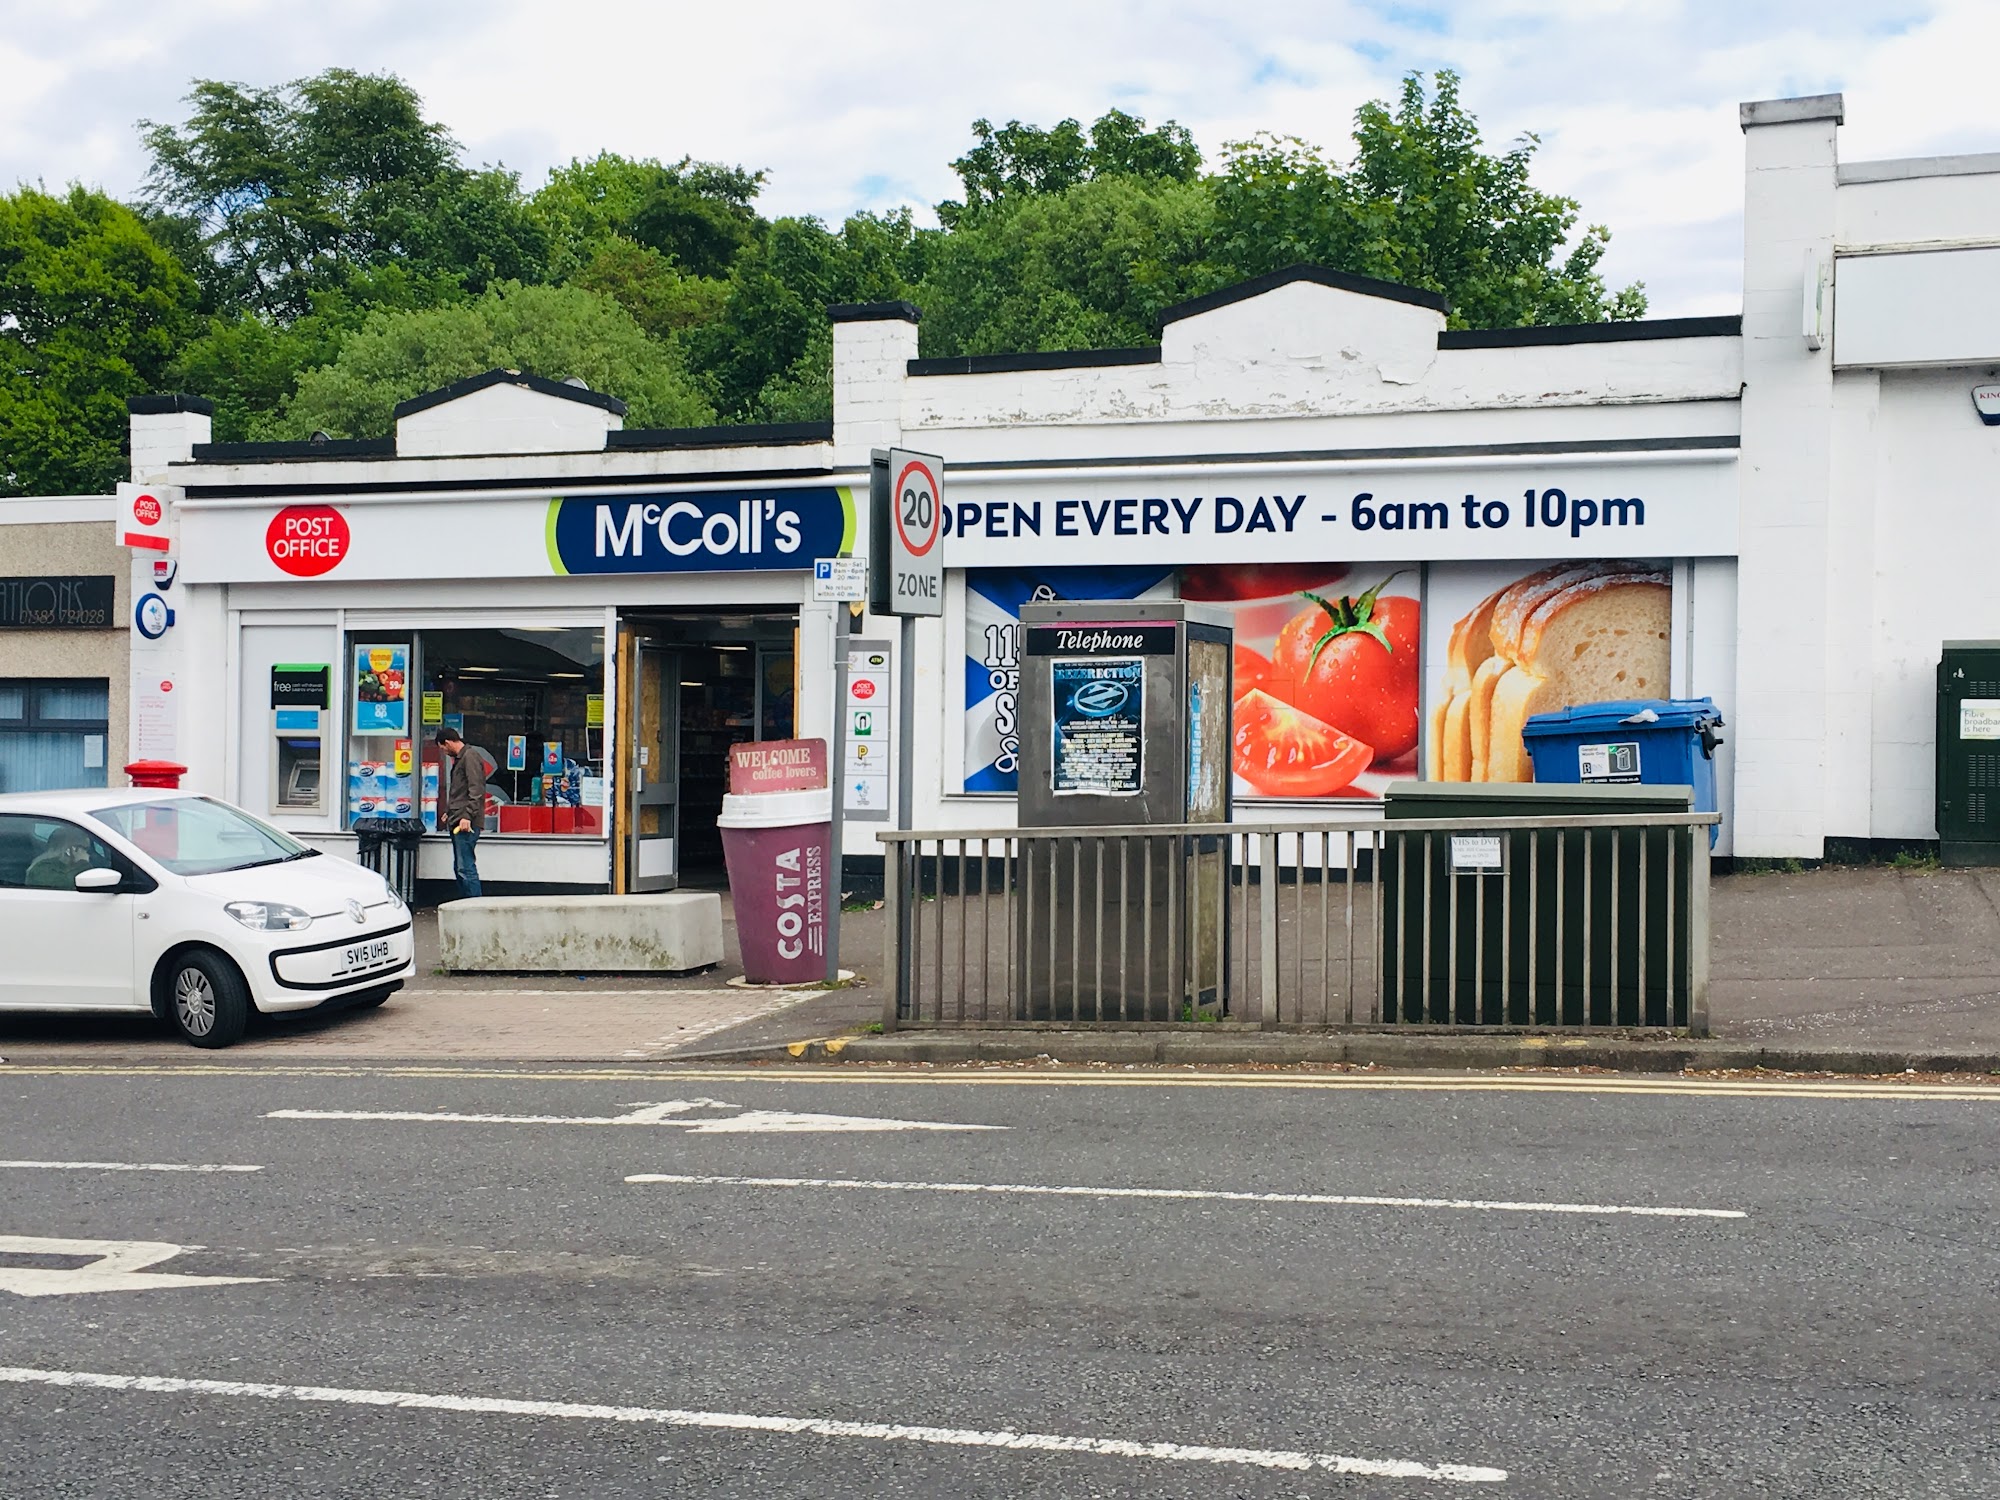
(603, 1282)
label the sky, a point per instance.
(864, 104)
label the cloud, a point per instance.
(865, 105)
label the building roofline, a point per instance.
(874, 312)
(1981, 164)
(748, 435)
(1796, 111)
(1058, 359)
(1726, 327)
(535, 383)
(159, 406)
(1341, 281)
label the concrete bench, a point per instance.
(671, 932)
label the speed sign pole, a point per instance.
(905, 579)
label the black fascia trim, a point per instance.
(1058, 359)
(294, 452)
(1338, 455)
(536, 383)
(874, 312)
(159, 406)
(1341, 281)
(569, 485)
(1726, 327)
(748, 435)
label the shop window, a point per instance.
(53, 734)
(530, 697)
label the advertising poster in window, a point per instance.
(1097, 712)
(382, 690)
(1326, 689)
(993, 600)
(1510, 640)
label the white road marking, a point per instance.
(672, 1112)
(1193, 1195)
(131, 1166)
(120, 1266)
(891, 1432)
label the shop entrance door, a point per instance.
(652, 825)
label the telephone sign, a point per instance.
(906, 557)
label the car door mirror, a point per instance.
(99, 879)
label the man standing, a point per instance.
(464, 814)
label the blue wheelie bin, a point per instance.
(1659, 741)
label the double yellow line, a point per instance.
(1743, 1086)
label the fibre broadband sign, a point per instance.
(700, 532)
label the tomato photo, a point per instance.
(1351, 663)
(1251, 670)
(1282, 751)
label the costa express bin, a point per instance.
(1643, 741)
(779, 848)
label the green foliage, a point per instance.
(1024, 160)
(291, 190)
(1089, 267)
(1423, 204)
(696, 215)
(309, 254)
(555, 332)
(91, 310)
(249, 364)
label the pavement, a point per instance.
(1839, 969)
(612, 1281)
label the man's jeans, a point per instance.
(463, 864)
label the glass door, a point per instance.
(652, 829)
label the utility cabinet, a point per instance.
(1968, 753)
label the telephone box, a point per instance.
(1124, 725)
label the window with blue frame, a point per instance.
(53, 734)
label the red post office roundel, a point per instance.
(146, 510)
(306, 540)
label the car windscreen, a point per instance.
(195, 836)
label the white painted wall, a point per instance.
(505, 419)
(1936, 535)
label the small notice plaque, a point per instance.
(1478, 854)
(1979, 719)
(777, 766)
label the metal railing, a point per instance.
(1525, 923)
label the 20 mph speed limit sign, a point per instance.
(907, 535)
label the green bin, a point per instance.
(1538, 928)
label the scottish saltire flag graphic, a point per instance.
(993, 600)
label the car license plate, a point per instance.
(363, 956)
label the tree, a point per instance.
(291, 190)
(773, 325)
(699, 215)
(1423, 204)
(555, 332)
(91, 311)
(249, 364)
(1024, 160)
(1090, 267)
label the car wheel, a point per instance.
(207, 1000)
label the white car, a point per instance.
(131, 900)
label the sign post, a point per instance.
(906, 579)
(906, 566)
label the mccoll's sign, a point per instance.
(673, 531)
(719, 531)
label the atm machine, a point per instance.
(298, 738)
